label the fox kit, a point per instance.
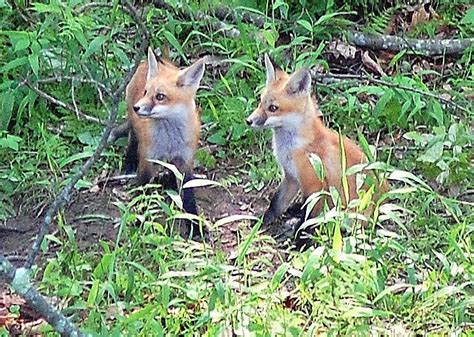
(164, 120)
(287, 107)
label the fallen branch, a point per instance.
(19, 280)
(370, 79)
(430, 47)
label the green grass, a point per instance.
(411, 270)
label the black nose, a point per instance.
(249, 122)
(136, 108)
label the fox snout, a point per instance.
(142, 111)
(256, 119)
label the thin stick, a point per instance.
(60, 103)
(20, 282)
(389, 84)
(61, 78)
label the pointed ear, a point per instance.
(299, 82)
(192, 75)
(270, 69)
(152, 65)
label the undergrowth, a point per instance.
(410, 271)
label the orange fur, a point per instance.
(167, 81)
(299, 132)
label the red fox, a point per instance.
(164, 120)
(286, 106)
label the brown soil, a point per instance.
(93, 216)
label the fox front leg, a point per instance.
(284, 195)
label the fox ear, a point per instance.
(270, 69)
(152, 65)
(192, 75)
(299, 82)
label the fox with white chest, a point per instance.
(164, 120)
(288, 109)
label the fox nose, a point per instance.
(249, 121)
(136, 108)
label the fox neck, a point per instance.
(172, 137)
(300, 127)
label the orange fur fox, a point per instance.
(287, 107)
(164, 120)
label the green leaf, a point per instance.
(433, 153)
(337, 239)
(317, 164)
(34, 63)
(306, 25)
(8, 100)
(278, 276)
(93, 293)
(468, 19)
(95, 45)
(436, 111)
(10, 142)
(174, 42)
(104, 265)
(14, 64)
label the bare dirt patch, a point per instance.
(93, 216)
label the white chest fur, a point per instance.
(285, 141)
(171, 140)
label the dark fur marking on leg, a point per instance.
(131, 156)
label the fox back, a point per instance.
(165, 121)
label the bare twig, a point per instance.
(19, 280)
(60, 103)
(61, 78)
(430, 47)
(370, 79)
(64, 195)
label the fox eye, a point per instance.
(160, 97)
(145, 92)
(272, 108)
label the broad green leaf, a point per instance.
(305, 24)
(278, 276)
(8, 100)
(433, 153)
(317, 164)
(468, 19)
(14, 64)
(91, 298)
(95, 45)
(34, 63)
(175, 43)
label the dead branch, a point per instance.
(229, 14)
(19, 279)
(430, 47)
(361, 78)
(60, 103)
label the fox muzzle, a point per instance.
(256, 119)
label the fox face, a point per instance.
(169, 92)
(283, 100)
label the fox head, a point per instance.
(169, 91)
(284, 99)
